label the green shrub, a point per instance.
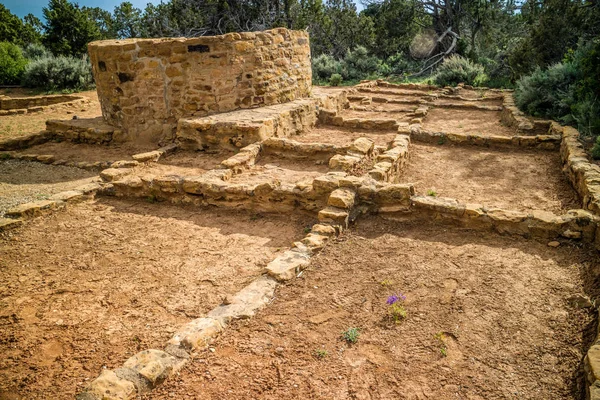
(568, 91)
(324, 66)
(335, 80)
(357, 64)
(57, 73)
(498, 71)
(456, 69)
(12, 63)
(544, 93)
(34, 51)
(400, 64)
(596, 149)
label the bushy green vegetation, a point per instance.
(456, 69)
(34, 51)
(596, 149)
(12, 63)
(335, 80)
(568, 91)
(58, 73)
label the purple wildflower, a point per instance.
(395, 298)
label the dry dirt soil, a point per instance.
(511, 179)
(80, 152)
(25, 181)
(488, 317)
(466, 121)
(19, 125)
(85, 289)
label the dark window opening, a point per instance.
(198, 48)
(123, 77)
(102, 66)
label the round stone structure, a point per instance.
(146, 85)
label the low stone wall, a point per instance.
(289, 148)
(575, 224)
(35, 102)
(23, 142)
(584, 176)
(146, 85)
(237, 129)
(91, 130)
(390, 163)
(513, 117)
(543, 142)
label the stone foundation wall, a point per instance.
(584, 176)
(19, 103)
(146, 85)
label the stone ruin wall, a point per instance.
(146, 85)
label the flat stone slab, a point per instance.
(334, 215)
(197, 333)
(29, 210)
(9, 223)
(154, 365)
(246, 302)
(114, 174)
(287, 265)
(342, 198)
(70, 196)
(108, 386)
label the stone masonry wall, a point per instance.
(146, 85)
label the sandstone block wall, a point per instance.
(11, 103)
(146, 85)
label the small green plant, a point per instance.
(42, 196)
(431, 193)
(5, 156)
(255, 217)
(441, 140)
(335, 80)
(441, 339)
(351, 335)
(386, 282)
(307, 230)
(396, 310)
(596, 149)
(321, 353)
(152, 199)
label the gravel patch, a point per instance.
(25, 181)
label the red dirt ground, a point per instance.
(511, 179)
(88, 288)
(466, 121)
(488, 318)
